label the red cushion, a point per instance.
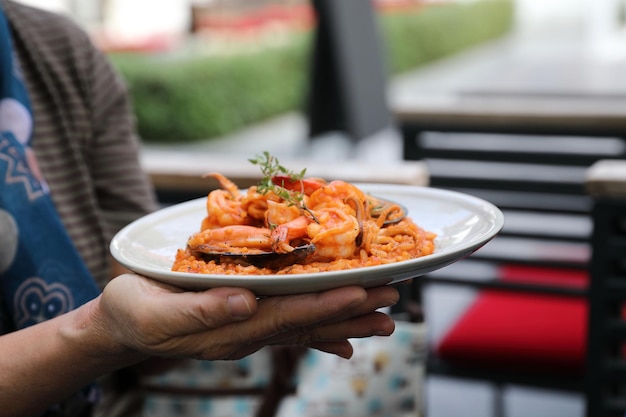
(518, 331)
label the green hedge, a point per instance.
(186, 98)
(441, 30)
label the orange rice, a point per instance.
(407, 241)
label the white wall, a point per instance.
(54, 5)
(537, 17)
(593, 19)
(126, 19)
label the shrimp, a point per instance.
(334, 226)
(225, 183)
(279, 213)
(339, 208)
(224, 239)
(255, 203)
(334, 194)
(283, 234)
(335, 234)
(306, 185)
(224, 206)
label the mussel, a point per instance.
(258, 258)
(380, 207)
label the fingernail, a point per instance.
(238, 306)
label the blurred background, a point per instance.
(250, 60)
(254, 54)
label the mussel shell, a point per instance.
(383, 204)
(271, 260)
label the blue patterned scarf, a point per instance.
(41, 272)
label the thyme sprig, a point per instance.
(270, 167)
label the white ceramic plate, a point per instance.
(462, 223)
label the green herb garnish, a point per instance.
(271, 167)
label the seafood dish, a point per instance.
(293, 224)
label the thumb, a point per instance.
(198, 311)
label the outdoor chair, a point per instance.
(515, 313)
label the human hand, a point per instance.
(141, 315)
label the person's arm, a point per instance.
(136, 318)
(43, 364)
